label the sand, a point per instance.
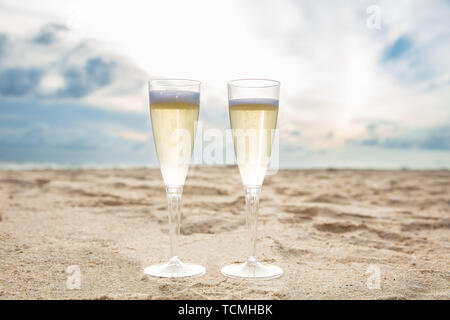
(332, 231)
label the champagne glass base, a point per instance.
(252, 270)
(175, 269)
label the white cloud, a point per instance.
(49, 64)
(51, 83)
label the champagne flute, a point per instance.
(174, 108)
(253, 108)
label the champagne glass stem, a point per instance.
(174, 194)
(252, 203)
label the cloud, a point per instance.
(391, 136)
(49, 34)
(17, 82)
(53, 66)
(417, 43)
(72, 134)
(79, 82)
(338, 75)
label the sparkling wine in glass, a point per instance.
(253, 108)
(174, 109)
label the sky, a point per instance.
(364, 84)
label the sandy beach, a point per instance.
(331, 231)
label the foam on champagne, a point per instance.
(161, 96)
(174, 116)
(253, 122)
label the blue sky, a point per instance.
(73, 77)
